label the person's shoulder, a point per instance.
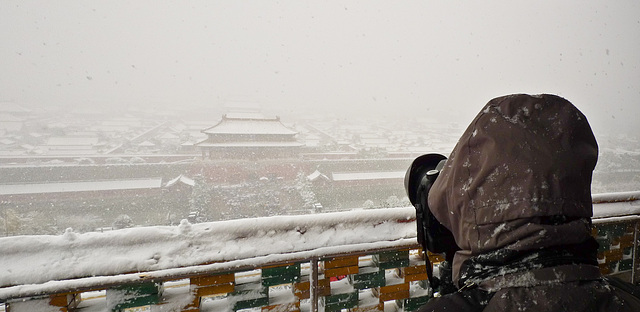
(570, 296)
(471, 300)
(627, 292)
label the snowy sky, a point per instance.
(403, 58)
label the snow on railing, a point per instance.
(33, 266)
(623, 205)
(71, 260)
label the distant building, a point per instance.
(14, 109)
(10, 123)
(71, 145)
(348, 190)
(99, 201)
(249, 136)
(176, 197)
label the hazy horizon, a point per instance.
(375, 58)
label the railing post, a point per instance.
(635, 252)
(313, 292)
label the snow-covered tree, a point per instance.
(392, 201)
(368, 204)
(123, 221)
(201, 194)
(10, 222)
(303, 185)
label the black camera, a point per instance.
(432, 235)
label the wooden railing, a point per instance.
(364, 260)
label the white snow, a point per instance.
(250, 126)
(181, 178)
(252, 144)
(80, 186)
(72, 141)
(615, 197)
(349, 176)
(316, 175)
(44, 263)
(623, 205)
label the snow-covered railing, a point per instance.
(280, 262)
(32, 266)
(616, 220)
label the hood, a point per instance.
(519, 178)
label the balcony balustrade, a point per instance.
(365, 260)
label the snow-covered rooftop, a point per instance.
(10, 118)
(380, 175)
(252, 144)
(317, 175)
(79, 186)
(181, 178)
(11, 107)
(232, 124)
(71, 141)
(146, 144)
(248, 115)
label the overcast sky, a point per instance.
(405, 58)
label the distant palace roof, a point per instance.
(249, 123)
(251, 144)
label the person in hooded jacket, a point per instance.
(515, 193)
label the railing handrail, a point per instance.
(394, 229)
(612, 207)
(615, 197)
(102, 282)
(379, 229)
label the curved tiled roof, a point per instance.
(249, 124)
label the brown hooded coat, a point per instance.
(519, 180)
